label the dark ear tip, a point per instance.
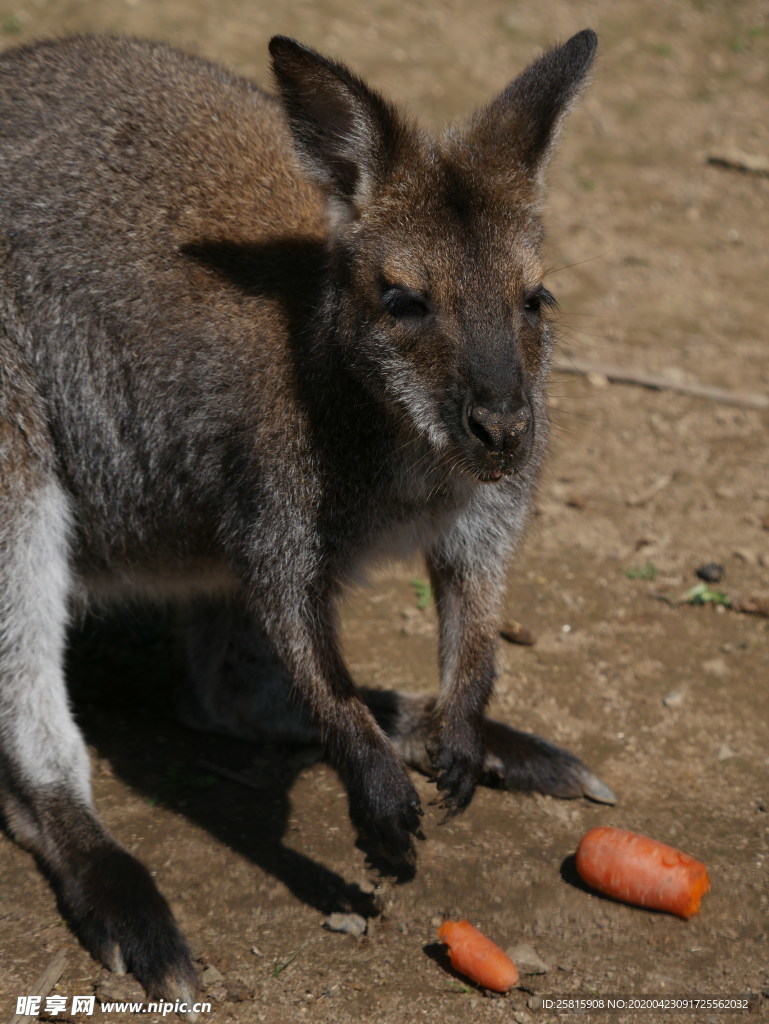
(278, 43)
(585, 41)
(285, 46)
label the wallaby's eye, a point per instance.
(402, 302)
(534, 300)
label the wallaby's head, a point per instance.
(435, 247)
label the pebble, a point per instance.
(746, 555)
(711, 572)
(211, 976)
(527, 960)
(515, 633)
(578, 501)
(349, 924)
(716, 667)
(674, 699)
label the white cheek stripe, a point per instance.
(405, 387)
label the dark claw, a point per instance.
(594, 789)
(387, 818)
(455, 777)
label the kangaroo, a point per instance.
(250, 344)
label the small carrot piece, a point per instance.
(477, 957)
(636, 869)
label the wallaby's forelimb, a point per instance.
(236, 685)
(468, 602)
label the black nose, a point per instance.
(499, 429)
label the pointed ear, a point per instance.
(521, 125)
(345, 133)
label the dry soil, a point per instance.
(660, 260)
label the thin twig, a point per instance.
(737, 160)
(42, 987)
(622, 375)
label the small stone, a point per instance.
(576, 501)
(716, 667)
(211, 976)
(674, 699)
(349, 924)
(527, 960)
(597, 380)
(711, 572)
(746, 555)
(515, 633)
(726, 752)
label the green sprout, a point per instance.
(642, 572)
(424, 593)
(704, 594)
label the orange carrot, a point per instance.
(477, 957)
(635, 869)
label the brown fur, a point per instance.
(257, 344)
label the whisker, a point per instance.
(579, 263)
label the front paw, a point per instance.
(386, 812)
(457, 759)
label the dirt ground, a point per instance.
(665, 263)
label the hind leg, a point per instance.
(107, 896)
(512, 760)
